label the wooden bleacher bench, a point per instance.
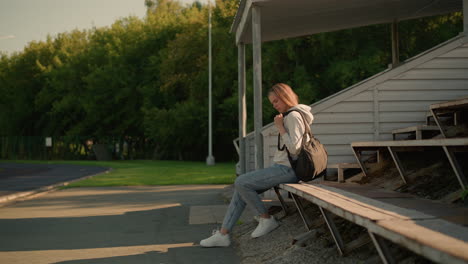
(418, 131)
(428, 228)
(449, 145)
(340, 167)
(455, 108)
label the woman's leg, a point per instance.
(249, 185)
(247, 188)
(233, 213)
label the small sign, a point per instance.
(48, 142)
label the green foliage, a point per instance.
(464, 194)
(144, 82)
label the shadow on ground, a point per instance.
(111, 225)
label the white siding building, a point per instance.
(396, 98)
(371, 109)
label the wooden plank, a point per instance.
(368, 191)
(415, 129)
(340, 167)
(449, 212)
(414, 143)
(402, 116)
(457, 103)
(389, 126)
(403, 200)
(436, 239)
(348, 205)
(343, 165)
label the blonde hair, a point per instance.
(285, 93)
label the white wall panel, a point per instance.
(340, 128)
(446, 63)
(406, 106)
(401, 100)
(415, 85)
(435, 74)
(461, 52)
(344, 139)
(334, 118)
(429, 95)
(365, 96)
(346, 107)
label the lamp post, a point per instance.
(210, 160)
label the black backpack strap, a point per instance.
(306, 130)
(306, 126)
(278, 145)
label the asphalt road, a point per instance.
(113, 225)
(143, 224)
(20, 177)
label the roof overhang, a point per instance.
(282, 19)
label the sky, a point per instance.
(23, 21)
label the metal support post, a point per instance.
(439, 123)
(382, 249)
(257, 72)
(465, 17)
(395, 44)
(242, 108)
(334, 231)
(456, 167)
(398, 164)
(357, 154)
(210, 160)
(301, 211)
(280, 198)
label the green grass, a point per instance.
(146, 172)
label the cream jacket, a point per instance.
(294, 126)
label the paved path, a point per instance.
(20, 179)
(114, 225)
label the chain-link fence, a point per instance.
(73, 148)
(43, 148)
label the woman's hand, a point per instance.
(279, 123)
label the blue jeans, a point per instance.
(248, 187)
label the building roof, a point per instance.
(293, 18)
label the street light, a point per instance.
(210, 160)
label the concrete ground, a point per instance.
(19, 180)
(162, 224)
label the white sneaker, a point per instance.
(216, 240)
(265, 226)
